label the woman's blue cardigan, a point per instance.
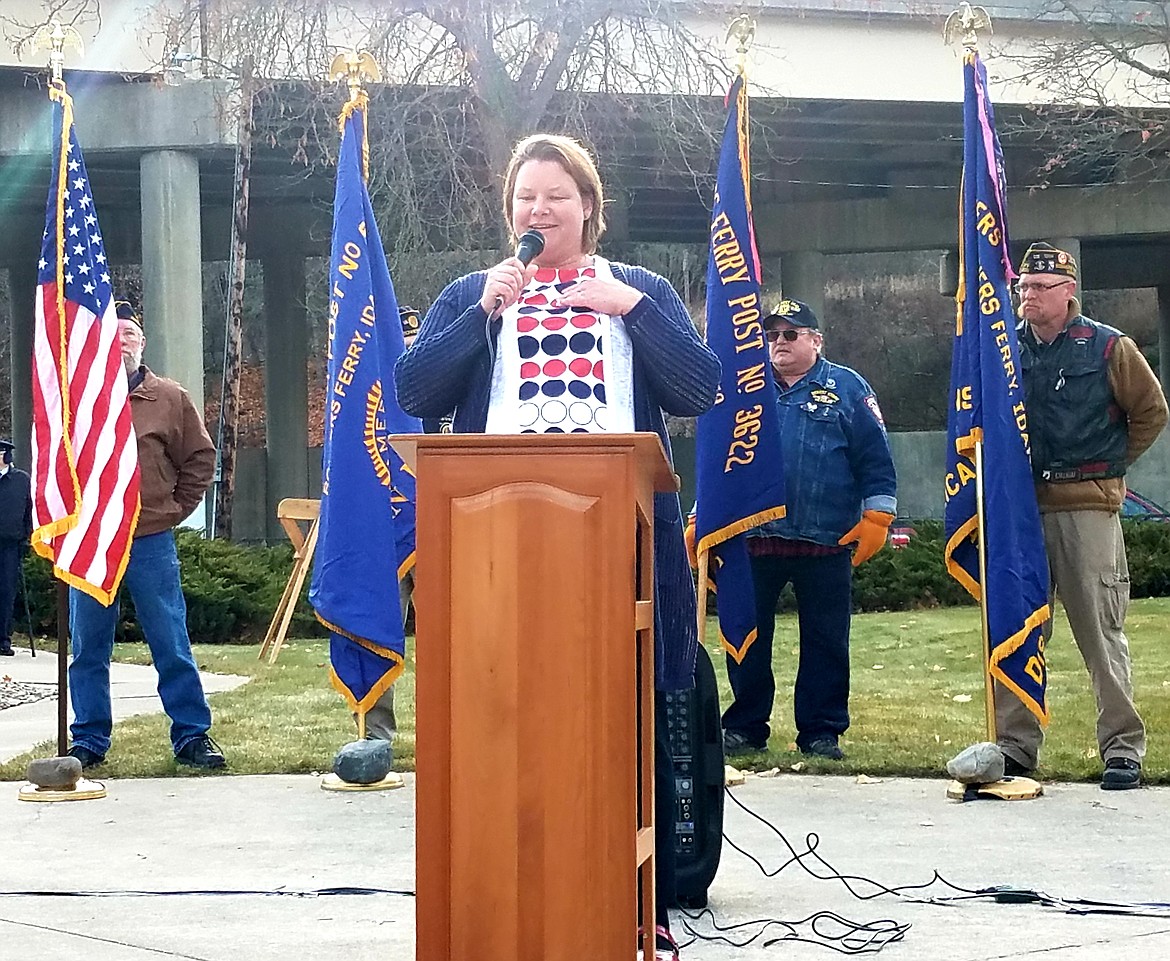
(449, 368)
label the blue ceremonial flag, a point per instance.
(988, 406)
(365, 538)
(739, 475)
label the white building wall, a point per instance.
(842, 50)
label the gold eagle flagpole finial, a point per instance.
(55, 38)
(355, 68)
(743, 31)
(964, 25)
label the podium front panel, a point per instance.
(527, 700)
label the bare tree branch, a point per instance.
(1105, 69)
(20, 32)
(465, 80)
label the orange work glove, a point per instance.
(689, 537)
(869, 534)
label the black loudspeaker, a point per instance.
(696, 744)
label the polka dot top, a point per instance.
(551, 365)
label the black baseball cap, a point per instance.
(795, 312)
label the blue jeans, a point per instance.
(824, 602)
(152, 577)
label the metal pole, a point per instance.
(701, 593)
(981, 531)
(32, 643)
(62, 668)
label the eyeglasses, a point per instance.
(789, 334)
(1026, 286)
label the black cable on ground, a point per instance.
(812, 841)
(211, 892)
(840, 934)
(828, 929)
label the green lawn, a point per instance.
(917, 699)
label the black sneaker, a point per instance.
(738, 745)
(7, 652)
(1121, 774)
(825, 747)
(202, 752)
(87, 757)
(1013, 768)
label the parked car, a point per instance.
(900, 534)
(1136, 507)
(1140, 508)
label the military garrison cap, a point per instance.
(410, 321)
(1043, 258)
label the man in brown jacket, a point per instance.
(1094, 407)
(176, 461)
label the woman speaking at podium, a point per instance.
(559, 340)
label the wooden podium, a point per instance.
(535, 694)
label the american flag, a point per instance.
(84, 451)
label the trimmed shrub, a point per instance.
(916, 576)
(1147, 545)
(909, 577)
(231, 590)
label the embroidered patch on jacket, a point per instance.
(824, 397)
(872, 404)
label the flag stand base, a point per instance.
(1007, 789)
(83, 791)
(331, 782)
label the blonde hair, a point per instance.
(577, 163)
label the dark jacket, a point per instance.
(176, 458)
(15, 507)
(449, 368)
(1136, 398)
(837, 459)
(1077, 431)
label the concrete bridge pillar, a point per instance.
(22, 289)
(802, 274)
(286, 384)
(172, 268)
(948, 273)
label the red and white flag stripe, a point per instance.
(84, 450)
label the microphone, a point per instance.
(528, 249)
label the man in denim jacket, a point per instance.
(841, 494)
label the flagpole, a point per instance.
(973, 767)
(988, 683)
(701, 599)
(356, 68)
(55, 38)
(742, 29)
(62, 668)
(963, 25)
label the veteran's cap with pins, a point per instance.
(1043, 258)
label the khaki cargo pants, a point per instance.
(1089, 573)
(380, 720)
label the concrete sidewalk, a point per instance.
(133, 690)
(270, 834)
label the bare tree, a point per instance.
(465, 80)
(1106, 68)
(20, 30)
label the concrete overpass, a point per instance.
(858, 150)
